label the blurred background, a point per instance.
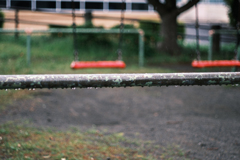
(107, 14)
(165, 36)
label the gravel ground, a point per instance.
(203, 121)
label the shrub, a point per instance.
(129, 41)
(1, 19)
(151, 38)
(59, 34)
(152, 34)
(232, 11)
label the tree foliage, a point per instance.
(1, 19)
(170, 6)
(233, 13)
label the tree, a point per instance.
(168, 12)
(233, 11)
(1, 19)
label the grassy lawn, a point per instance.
(19, 142)
(53, 56)
(28, 143)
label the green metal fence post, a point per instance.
(211, 32)
(28, 49)
(28, 32)
(234, 69)
(141, 48)
(238, 53)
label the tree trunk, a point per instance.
(168, 12)
(216, 39)
(168, 34)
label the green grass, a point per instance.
(19, 142)
(188, 54)
(51, 54)
(54, 55)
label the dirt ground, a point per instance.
(203, 121)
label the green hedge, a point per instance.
(60, 34)
(153, 28)
(152, 32)
(85, 39)
(1, 19)
(130, 41)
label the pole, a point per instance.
(238, 53)
(28, 32)
(141, 48)
(28, 49)
(121, 30)
(238, 35)
(117, 80)
(197, 34)
(16, 23)
(211, 32)
(74, 32)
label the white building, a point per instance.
(213, 11)
(95, 5)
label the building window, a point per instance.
(116, 6)
(46, 4)
(216, 1)
(94, 5)
(3, 3)
(212, 1)
(21, 4)
(68, 5)
(139, 6)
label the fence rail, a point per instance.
(78, 30)
(117, 80)
(82, 30)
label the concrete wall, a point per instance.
(207, 13)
